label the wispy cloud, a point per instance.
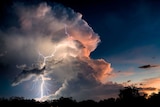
(148, 66)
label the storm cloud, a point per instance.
(61, 32)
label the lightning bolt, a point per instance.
(42, 84)
(46, 57)
(43, 78)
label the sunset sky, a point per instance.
(94, 47)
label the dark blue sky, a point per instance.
(129, 31)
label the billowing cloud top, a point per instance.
(64, 41)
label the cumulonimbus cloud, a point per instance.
(61, 30)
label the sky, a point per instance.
(84, 50)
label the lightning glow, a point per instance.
(42, 77)
(42, 85)
(46, 57)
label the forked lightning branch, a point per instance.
(44, 63)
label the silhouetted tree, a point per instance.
(90, 103)
(128, 96)
(131, 96)
(154, 100)
(129, 92)
(107, 102)
(66, 102)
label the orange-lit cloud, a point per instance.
(121, 74)
(151, 85)
(102, 69)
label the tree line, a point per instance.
(129, 96)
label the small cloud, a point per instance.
(129, 81)
(148, 66)
(149, 89)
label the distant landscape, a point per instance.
(129, 96)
